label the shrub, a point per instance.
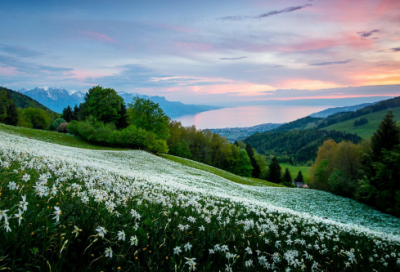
(63, 127)
(57, 122)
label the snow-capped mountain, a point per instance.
(57, 99)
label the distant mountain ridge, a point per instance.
(330, 111)
(59, 98)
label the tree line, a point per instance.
(368, 171)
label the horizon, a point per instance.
(226, 53)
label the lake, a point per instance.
(248, 116)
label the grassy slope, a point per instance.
(365, 131)
(294, 170)
(221, 173)
(73, 141)
(53, 137)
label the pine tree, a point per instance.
(76, 112)
(12, 115)
(274, 171)
(256, 168)
(68, 115)
(386, 137)
(122, 122)
(287, 177)
(299, 177)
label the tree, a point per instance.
(386, 137)
(256, 168)
(103, 104)
(299, 177)
(68, 114)
(148, 115)
(76, 112)
(274, 171)
(36, 118)
(12, 114)
(122, 122)
(287, 177)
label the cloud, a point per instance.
(31, 68)
(366, 34)
(265, 15)
(19, 51)
(98, 36)
(329, 63)
(239, 58)
(397, 49)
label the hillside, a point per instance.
(238, 133)
(114, 210)
(330, 111)
(23, 101)
(302, 145)
(364, 131)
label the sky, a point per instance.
(205, 52)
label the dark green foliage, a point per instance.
(386, 137)
(344, 116)
(298, 124)
(12, 115)
(287, 176)
(122, 122)
(360, 122)
(68, 114)
(256, 168)
(342, 185)
(148, 115)
(302, 145)
(103, 104)
(299, 177)
(8, 109)
(76, 112)
(380, 186)
(274, 171)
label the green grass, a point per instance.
(365, 131)
(53, 137)
(294, 170)
(221, 173)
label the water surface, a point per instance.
(248, 116)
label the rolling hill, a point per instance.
(364, 131)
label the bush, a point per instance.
(57, 122)
(63, 127)
(342, 185)
(34, 118)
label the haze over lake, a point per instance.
(248, 116)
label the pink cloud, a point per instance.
(8, 71)
(97, 36)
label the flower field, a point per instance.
(65, 208)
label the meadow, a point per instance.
(364, 131)
(65, 208)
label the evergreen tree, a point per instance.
(68, 114)
(122, 122)
(386, 137)
(76, 113)
(256, 168)
(287, 177)
(12, 115)
(299, 177)
(274, 171)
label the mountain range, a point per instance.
(57, 99)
